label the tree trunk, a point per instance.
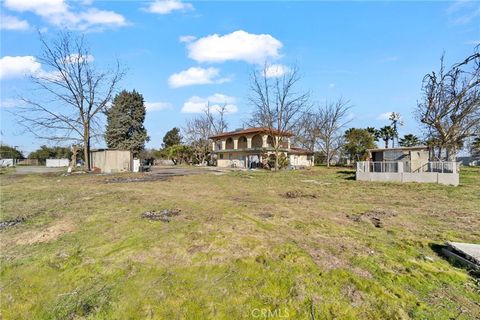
(452, 154)
(276, 160)
(73, 160)
(86, 148)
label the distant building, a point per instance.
(469, 161)
(406, 164)
(250, 148)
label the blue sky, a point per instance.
(181, 54)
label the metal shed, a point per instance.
(111, 160)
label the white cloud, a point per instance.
(276, 70)
(462, 12)
(40, 7)
(198, 104)
(60, 14)
(168, 6)
(74, 57)
(93, 17)
(384, 116)
(19, 66)
(331, 85)
(11, 103)
(12, 23)
(196, 75)
(156, 106)
(187, 39)
(238, 45)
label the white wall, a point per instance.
(6, 162)
(55, 163)
(423, 177)
(300, 160)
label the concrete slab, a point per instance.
(37, 169)
(471, 251)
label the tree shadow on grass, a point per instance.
(346, 174)
(440, 251)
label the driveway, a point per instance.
(172, 171)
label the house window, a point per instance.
(229, 156)
(221, 156)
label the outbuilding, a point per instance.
(111, 160)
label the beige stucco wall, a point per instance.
(229, 159)
(431, 177)
(418, 158)
(111, 161)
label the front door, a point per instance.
(253, 161)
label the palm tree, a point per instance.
(409, 140)
(374, 132)
(396, 120)
(386, 134)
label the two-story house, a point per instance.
(247, 148)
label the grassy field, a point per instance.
(246, 245)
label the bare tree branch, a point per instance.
(277, 106)
(450, 109)
(74, 93)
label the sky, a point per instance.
(179, 55)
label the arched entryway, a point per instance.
(257, 141)
(242, 142)
(229, 144)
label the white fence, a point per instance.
(406, 166)
(403, 171)
(7, 162)
(56, 163)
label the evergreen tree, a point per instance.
(7, 152)
(45, 152)
(357, 141)
(125, 119)
(172, 138)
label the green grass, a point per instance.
(84, 252)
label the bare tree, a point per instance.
(198, 130)
(278, 106)
(331, 120)
(307, 131)
(450, 109)
(73, 94)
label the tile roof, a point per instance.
(249, 131)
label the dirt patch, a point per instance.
(298, 194)
(164, 215)
(353, 294)
(144, 178)
(375, 216)
(317, 182)
(46, 235)
(11, 223)
(265, 215)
